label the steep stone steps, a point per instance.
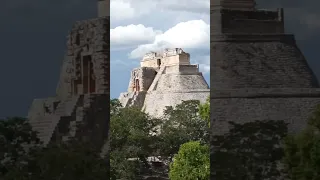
(65, 108)
(45, 126)
(154, 84)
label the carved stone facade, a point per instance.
(164, 79)
(257, 71)
(80, 108)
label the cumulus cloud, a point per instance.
(130, 9)
(198, 6)
(193, 34)
(120, 10)
(132, 35)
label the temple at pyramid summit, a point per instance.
(164, 78)
(80, 107)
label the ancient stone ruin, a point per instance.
(80, 107)
(257, 71)
(164, 79)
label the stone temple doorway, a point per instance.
(88, 81)
(159, 62)
(137, 84)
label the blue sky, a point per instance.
(146, 25)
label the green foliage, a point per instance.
(15, 135)
(302, 151)
(204, 110)
(181, 125)
(24, 158)
(132, 135)
(68, 161)
(115, 107)
(249, 151)
(192, 162)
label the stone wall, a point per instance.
(187, 69)
(252, 21)
(254, 26)
(145, 75)
(246, 21)
(180, 82)
(167, 58)
(86, 39)
(259, 65)
(156, 101)
(294, 106)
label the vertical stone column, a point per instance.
(102, 55)
(103, 8)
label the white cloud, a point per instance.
(120, 10)
(194, 6)
(130, 9)
(191, 34)
(130, 35)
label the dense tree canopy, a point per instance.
(134, 134)
(249, 151)
(24, 158)
(192, 162)
(302, 151)
(181, 125)
(15, 136)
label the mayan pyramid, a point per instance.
(80, 108)
(257, 70)
(164, 79)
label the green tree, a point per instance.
(23, 157)
(204, 110)
(192, 162)
(302, 151)
(132, 135)
(249, 151)
(115, 107)
(16, 137)
(181, 124)
(66, 161)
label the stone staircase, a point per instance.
(46, 125)
(67, 107)
(80, 114)
(156, 79)
(126, 98)
(137, 99)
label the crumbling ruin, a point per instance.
(81, 106)
(164, 79)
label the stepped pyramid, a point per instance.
(257, 70)
(80, 107)
(164, 79)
